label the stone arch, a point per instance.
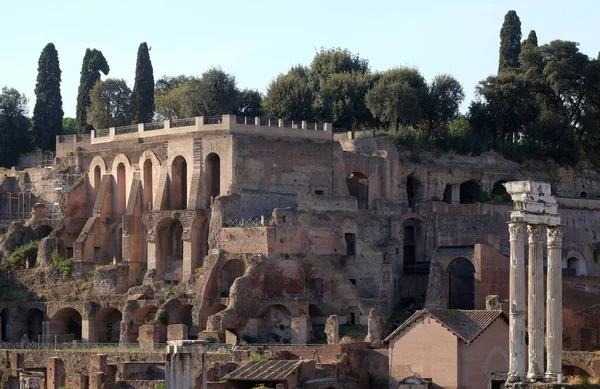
(499, 193)
(66, 325)
(108, 325)
(150, 175)
(179, 183)
(123, 176)
(470, 192)
(358, 187)
(353, 315)
(275, 324)
(34, 322)
(212, 177)
(578, 265)
(496, 356)
(232, 269)
(461, 284)
(583, 194)
(572, 369)
(144, 315)
(169, 250)
(98, 167)
(183, 315)
(414, 190)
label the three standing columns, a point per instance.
(535, 306)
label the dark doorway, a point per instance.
(470, 192)
(461, 273)
(350, 244)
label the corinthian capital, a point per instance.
(536, 232)
(555, 236)
(516, 230)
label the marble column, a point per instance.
(516, 370)
(554, 304)
(535, 308)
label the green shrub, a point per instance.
(20, 255)
(162, 316)
(161, 385)
(63, 265)
(168, 291)
(258, 357)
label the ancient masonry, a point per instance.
(535, 210)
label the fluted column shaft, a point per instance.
(554, 304)
(516, 369)
(535, 309)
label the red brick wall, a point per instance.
(493, 274)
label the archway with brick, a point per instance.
(461, 284)
(179, 183)
(212, 177)
(142, 316)
(275, 325)
(34, 321)
(108, 325)
(232, 269)
(169, 251)
(65, 326)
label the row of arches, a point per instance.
(178, 188)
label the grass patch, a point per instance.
(19, 256)
(63, 265)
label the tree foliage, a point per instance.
(14, 126)
(143, 89)
(510, 42)
(48, 112)
(250, 103)
(110, 104)
(289, 96)
(93, 63)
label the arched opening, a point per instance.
(233, 269)
(121, 189)
(213, 177)
(97, 178)
(461, 274)
(499, 193)
(142, 316)
(583, 194)
(42, 231)
(275, 325)
(576, 267)
(574, 371)
(411, 191)
(34, 322)
(169, 253)
(65, 326)
(148, 195)
(108, 322)
(4, 325)
(358, 186)
(179, 183)
(410, 252)
(353, 316)
(350, 240)
(448, 194)
(318, 286)
(470, 192)
(199, 237)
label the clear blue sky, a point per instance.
(256, 40)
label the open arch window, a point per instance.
(121, 189)
(212, 176)
(148, 195)
(358, 186)
(461, 285)
(179, 183)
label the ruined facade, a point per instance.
(260, 231)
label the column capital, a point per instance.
(516, 230)
(555, 236)
(536, 232)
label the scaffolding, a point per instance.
(62, 183)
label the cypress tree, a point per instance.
(93, 63)
(532, 39)
(510, 42)
(48, 111)
(143, 89)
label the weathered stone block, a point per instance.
(177, 332)
(149, 335)
(332, 330)
(374, 328)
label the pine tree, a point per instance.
(510, 42)
(93, 63)
(532, 39)
(48, 111)
(143, 89)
